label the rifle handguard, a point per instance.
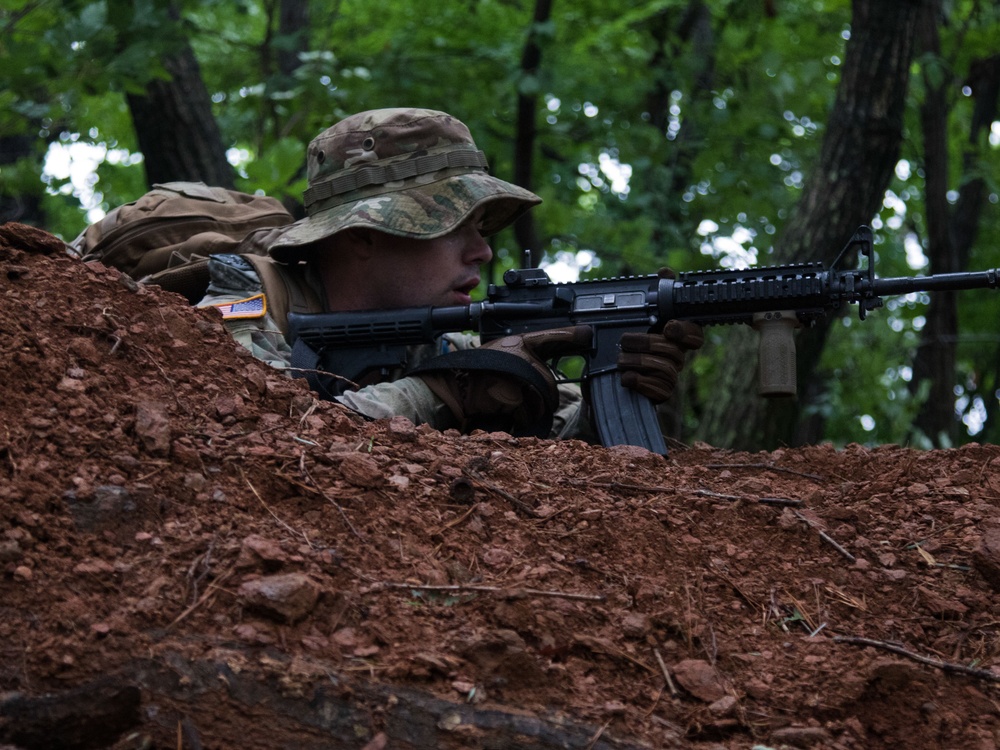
(776, 353)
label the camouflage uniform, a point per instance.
(405, 172)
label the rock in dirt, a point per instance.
(804, 737)
(152, 425)
(259, 551)
(30, 239)
(108, 506)
(286, 598)
(986, 557)
(361, 471)
(700, 679)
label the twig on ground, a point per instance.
(983, 470)
(455, 521)
(736, 498)
(273, 514)
(334, 503)
(807, 621)
(769, 467)
(153, 473)
(597, 735)
(7, 451)
(203, 561)
(712, 648)
(850, 601)
(752, 601)
(983, 674)
(518, 504)
(779, 501)
(213, 587)
(718, 495)
(304, 370)
(624, 486)
(666, 672)
(488, 589)
(825, 537)
(187, 735)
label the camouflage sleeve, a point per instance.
(236, 291)
(406, 397)
(459, 341)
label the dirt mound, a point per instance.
(194, 552)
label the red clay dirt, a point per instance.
(195, 552)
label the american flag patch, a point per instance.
(251, 307)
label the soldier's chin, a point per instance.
(460, 298)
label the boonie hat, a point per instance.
(408, 172)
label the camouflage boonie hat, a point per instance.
(408, 172)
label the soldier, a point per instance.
(399, 206)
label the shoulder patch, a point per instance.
(251, 307)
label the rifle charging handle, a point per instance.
(776, 352)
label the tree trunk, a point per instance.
(19, 205)
(671, 34)
(293, 24)
(177, 133)
(984, 81)
(694, 27)
(991, 384)
(950, 233)
(935, 360)
(524, 141)
(293, 27)
(858, 155)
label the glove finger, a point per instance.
(656, 390)
(501, 394)
(684, 333)
(648, 364)
(637, 342)
(666, 273)
(651, 344)
(443, 385)
(559, 342)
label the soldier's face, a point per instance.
(439, 272)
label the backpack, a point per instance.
(166, 236)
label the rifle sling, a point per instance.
(305, 362)
(505, 364)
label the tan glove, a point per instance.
(505, 384)
(651, 362)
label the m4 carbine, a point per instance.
(774, 300)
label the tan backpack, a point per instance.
(166, 236)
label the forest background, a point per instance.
(684, 133)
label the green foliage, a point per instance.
(868, 400)
(278, 171)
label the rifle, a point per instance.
(774, 300)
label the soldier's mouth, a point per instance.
(463, 291)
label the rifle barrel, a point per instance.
(941, 282)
